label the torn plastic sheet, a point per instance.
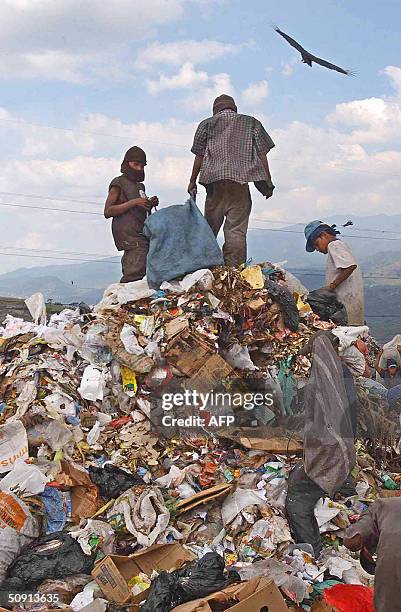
(130, 341)
(99, 529)
(325, 511)
(27, 395)
(146, 517)
(121, 293)
(280, 573)
(203, 277)
(237, 501)
(37, 307)
(238, 357)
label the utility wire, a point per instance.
(267, 229)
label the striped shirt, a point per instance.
(231, 144)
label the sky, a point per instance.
(81, 82)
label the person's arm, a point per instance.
(377, 364)
(343, 274)
(353, 544)
(263, 159)
(113, 209)
(195, 173)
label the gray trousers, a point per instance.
(133, 261)
(230, 203)
(302, 497)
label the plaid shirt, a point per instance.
(231, 145)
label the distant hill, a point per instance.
(373, 239)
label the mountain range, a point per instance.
(375, 241)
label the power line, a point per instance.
(42, 197)
(64, 258)
(18, 248)
(77, 212)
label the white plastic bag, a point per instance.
(26, 477)
(13, 445)
(92, 384)
(130, 341)
(238, 357)
(203, 277)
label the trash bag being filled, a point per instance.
(197, 579)
(180, 241)
(325, 304)
(54, 556)
(112, 481)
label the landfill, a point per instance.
(105, 505)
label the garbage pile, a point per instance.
(105, 506)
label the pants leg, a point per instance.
(133, 261)
(238, 209)
(215, 205)
(302, 497)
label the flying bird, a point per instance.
(308, 58)
(348, 224)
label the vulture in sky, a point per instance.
(308, 58)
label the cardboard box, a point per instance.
(114, 571)
(252, 596)
(188, 352)
(203, 497)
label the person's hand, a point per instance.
(330, 287)
(143, 202)
(154, 200)
(353, 544)
(192, 188)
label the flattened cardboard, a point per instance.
(188, 352)
(114, 572)
(203, 497)
(273, 445)
(209, 375)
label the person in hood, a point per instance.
(230, 151)
(343, 274)
(128, 205)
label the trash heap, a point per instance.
(102, 508)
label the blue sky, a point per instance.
(146, 72)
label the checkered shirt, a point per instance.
(231, 144)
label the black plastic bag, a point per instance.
(325, 304)
(54, 556)
(197, 579)
(112, 481)
(287, 302)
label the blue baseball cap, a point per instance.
(311, 232)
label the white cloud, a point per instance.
(394, 74)
(255, 93)
(77, 41)
(288, 67)
(186, 78)
(177, 53)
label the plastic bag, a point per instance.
(54, 556)
(112, 481)
(55, 511)
(180, 241)
(17, 528)
(92, 384)
(325, 304)
(203, 278)
(26, 478)
(197, 579)
(287, 303)
(13, 445)
(238, 357)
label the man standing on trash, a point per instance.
(231, 151)
(129, 206)
(343, 275)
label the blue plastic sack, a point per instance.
(55, 512)
(180, 241)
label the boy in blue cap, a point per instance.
(343, 275)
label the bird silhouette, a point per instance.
(308, 58)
